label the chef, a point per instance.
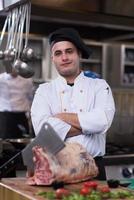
(16, 94)
(79, 108)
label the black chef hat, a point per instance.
(70, 34)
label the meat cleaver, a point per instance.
(47, 138)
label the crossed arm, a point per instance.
(96, 120)
(72, 119)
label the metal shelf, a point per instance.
(130, 63)
(97, 61)
(121, 64)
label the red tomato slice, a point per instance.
(61, 192)
(85, 191)
(91, 184)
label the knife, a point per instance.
(47, 138)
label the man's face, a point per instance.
(66, 58)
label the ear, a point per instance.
(51, 56)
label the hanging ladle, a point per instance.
(28, 53)
(10, 51)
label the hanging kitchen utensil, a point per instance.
(16, 20)
(12, 51)
(6, 61)
(28, 53)
(18, 62)
(9, 51)
(21, 67)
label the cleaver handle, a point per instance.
(9, 165)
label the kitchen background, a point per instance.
(107, 26)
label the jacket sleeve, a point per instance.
(99, 119)
(41, 113)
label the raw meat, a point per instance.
(72, 164)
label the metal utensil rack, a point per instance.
(6, 5)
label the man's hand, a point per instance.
(73, 132)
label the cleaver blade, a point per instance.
(47, 138)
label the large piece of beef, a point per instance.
(72, 164)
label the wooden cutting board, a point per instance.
(17, 189)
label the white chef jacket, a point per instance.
(90, 98)
(16, 93)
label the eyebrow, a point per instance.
(59, 50)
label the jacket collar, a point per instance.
(78, 78)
